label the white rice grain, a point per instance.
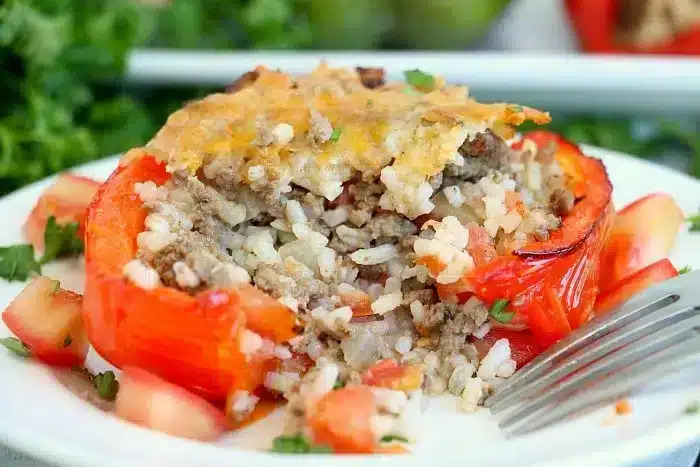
(281, 381)
(141, 275)
(156, 222)
(403, 344)
(243, 403)
(227, 275)
(295, 213)
(290, 302)
(472, 394)
(184, 276)
(251, 343)
(482, 330)
(154, 241)
(389, 400)
(377, 255)
(454, 196)
(337, 216)
(282, 133)
(498, 355)
(417, 310)
(388, 302)
(326, 262)
(149, 192)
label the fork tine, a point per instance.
(612, 341)
(634, 352)
(647, 302)
(619, 385)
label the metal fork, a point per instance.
(651, 335)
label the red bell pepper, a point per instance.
(597, 24)
(554, 283)
(192, 341)
(632, 285)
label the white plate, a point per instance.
(42, 418)
(566, 82)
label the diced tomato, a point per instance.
(623, 407)
(550, 320)
(359, 301)
(49, 321)
(342, 419)
(66, 200)
(644, 232)
(391, 375)
(523, 346)
(391, 449)
(432, 263)
(480, 246)
(152, 402)
(631, 285)
(192, 341)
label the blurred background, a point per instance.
(78, 79)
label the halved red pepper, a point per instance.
(192, 341)
(554, 283)
(597, 25)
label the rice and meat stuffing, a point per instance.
(351, 200)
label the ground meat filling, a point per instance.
(328, 259)
(371, 77)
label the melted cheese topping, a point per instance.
(339, 127)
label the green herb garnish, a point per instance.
(499, 313)
(107, 385)
(692, 408)
(694, 223)
(685, 269)
(335, 136)
(297, 444)
(17, 262)
(338, 385)
(16, 346)
(67, 341)
(60, 240)
(390, 438)
(420, 80)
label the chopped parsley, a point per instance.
(297, 444)
(420, 80)
(694, 223)
(685, 269)
(692, 409)
(67, 341)
(16, 346)
(106, 384)
(338, 385)
(60, 240)
(17, 262)
(499, 312)
(335, 136)
(390, 438)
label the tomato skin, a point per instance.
(151, 402)
(191, 341)
(66, 200)
(43, 320)
(635, 242)
(342, 419)
(625, 289)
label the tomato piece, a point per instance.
(66, 200)
(432, 263)
(590, 183)
(342, 419)
(549, 320)
(359, 301)
(152, 402)
(523, 346)
(632, 285)
(49, 321)
(391, 375)
(635, 242)
(191, 341)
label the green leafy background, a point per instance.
(62, 61)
